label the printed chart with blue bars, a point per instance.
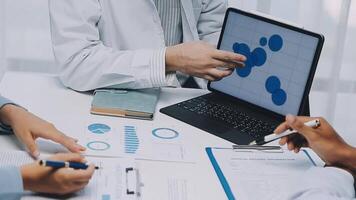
(132, 142)
(277, 66)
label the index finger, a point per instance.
(72, 157)
(281, 128)
(284, 126)
(228, 56)
(59, 137)
(306, 118)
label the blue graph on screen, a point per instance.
(99, 128)
(257, 58)
(131, 140)
(273, 86)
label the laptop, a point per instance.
(276, 80)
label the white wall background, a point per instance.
(27, 47)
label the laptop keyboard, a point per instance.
(228, 114)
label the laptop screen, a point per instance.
(278, 63)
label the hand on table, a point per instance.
(202, 60)
(61, 181)
(324, 140)
(28, 127)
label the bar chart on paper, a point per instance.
(132, 142)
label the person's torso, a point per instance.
(170, 12)
(136, 24)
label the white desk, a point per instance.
(46, 97)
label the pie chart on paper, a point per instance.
(98, 128)
(165, 133)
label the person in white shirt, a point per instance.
(139, 44)
(336, 179)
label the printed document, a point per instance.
(261, 175)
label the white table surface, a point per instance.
(46, 97)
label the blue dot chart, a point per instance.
(263, 41)
(277, 66)
(273, 86)
(275, 43)
(257, 58)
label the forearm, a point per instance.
(4, 102)
(30, 175)
(106, 67)
(345, 158)
(350, 160)
(5, 114)
(8, 113)
(172, 57)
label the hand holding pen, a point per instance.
(323, 138)
(315, 123)
(324, 141)
(64, 164)
(61, 180)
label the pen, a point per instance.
(62, 164)
(255, 147)
(272, 137)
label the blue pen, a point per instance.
(62, 164)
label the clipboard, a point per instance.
(223, 178)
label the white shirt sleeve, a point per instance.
(324, 183)
(86, 63)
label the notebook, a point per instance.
(139, 104)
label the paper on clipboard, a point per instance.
(256, 174)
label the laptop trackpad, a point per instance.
(237, 137)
